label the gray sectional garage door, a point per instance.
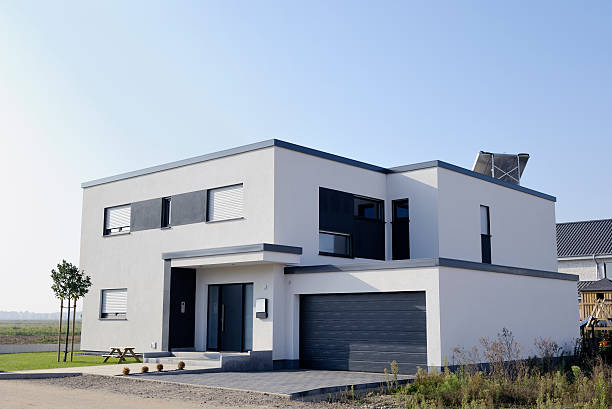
(363, 332)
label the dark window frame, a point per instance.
(394, 210)
(349, 244)
(380, 206)
(166, 212)
(122, 230)
(485, 238)
(112, 316)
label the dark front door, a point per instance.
(182, 307)
(230, 317)
(400, 230)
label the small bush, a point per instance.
(126, 370)
(160, 367)
(181, 365)
(144, 369)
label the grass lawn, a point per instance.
(47, 360)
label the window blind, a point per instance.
(225, 203)
(117, 219)
(114, 303)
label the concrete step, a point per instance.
(189, 363)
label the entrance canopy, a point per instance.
(261, 253)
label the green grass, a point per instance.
(34, 332)
(47, 360)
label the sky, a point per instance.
(92, 89)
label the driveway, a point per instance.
(293, 384)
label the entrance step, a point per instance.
(196, 358)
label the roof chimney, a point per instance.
(502, 166)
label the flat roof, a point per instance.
(313, 152)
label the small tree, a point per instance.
(69, 283)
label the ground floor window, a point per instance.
(113, 303)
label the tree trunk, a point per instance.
(73, 318)
(67, 331)
(59, 332)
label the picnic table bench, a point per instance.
(116, 352)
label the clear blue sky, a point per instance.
(91, 90)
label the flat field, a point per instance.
(34, 332)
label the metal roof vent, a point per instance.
(502, 166)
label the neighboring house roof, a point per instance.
(587, 238)
(582, 284)
(604, 284)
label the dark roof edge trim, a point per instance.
(495, 268)
(431, 262)
(181, 163)
(218, 251)
(459, 169)
(313, 152)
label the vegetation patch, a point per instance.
(32, 332)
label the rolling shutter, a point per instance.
(117, 219)
(363, 332)
(225, 203)
(114, 303)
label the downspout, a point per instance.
(597, 267)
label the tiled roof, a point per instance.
(602, 285)
(584, 238)
(583, 284)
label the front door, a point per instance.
(229, 317)
(182, 307)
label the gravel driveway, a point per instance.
(98, 392)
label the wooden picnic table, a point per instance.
(116, 352)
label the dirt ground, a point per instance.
(101, 392)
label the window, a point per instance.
(117, 219)
(165, 213)
(400, 210)
(485, 234)
(225, 203)
(334, 244)
(114, 304)
(368, 208)
(400, 230)
(600, 296)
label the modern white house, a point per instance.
(301, 258)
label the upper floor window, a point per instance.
(225, 203)
(165, 211)
(368, 208)
(117, 219)
(334, 244)
(114, 303)
(485, 234)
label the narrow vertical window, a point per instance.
(485, 234)
(400, 233)
(165, 213)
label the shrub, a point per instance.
(144, 369)
(181, 365)
(160, 367)
(126, 370)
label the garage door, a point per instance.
(363, 332)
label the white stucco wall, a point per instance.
(420, 187)
(586, 268)
(477, 304)
(523, 230)
(133, 261)
(296, 198)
